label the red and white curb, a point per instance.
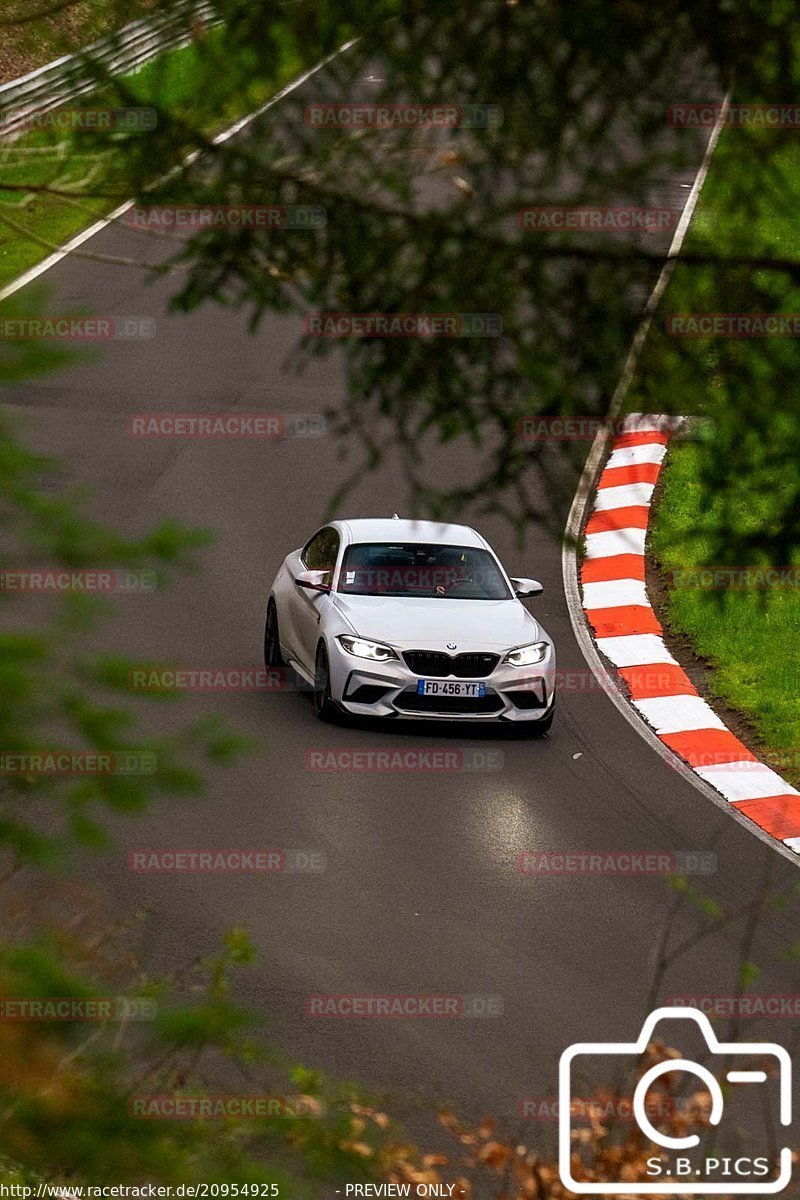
(628, 633)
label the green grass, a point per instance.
(752, 637)
(40, 158)
(746, 475)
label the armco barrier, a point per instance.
(65, 79)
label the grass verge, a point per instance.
(745, 478)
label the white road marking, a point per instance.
(635, 650)
(612, 593)
(615, 541)
(623, 496)
(632, 456)
(678, 714)
(746, 781)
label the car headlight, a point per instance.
(526, 656)
(364, 649)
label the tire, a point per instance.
(324, 706)
(272, 638)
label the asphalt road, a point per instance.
(421, 893)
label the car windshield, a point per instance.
(421, 569)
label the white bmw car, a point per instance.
(398, 618)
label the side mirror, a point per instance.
(523, 588)
(314, 581)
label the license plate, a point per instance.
(449, 687)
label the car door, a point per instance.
(319, 554)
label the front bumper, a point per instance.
(389, 689)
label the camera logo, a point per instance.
(676, 1170)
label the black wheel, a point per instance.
(272, 640)
(324, 706)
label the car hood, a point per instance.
(412, 621)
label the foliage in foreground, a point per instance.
(568, 305)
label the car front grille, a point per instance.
(437, 665)
(450, 705)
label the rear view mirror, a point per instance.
(523, 588)
(314, 581)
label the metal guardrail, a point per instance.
(70, 77)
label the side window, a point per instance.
(320, 553)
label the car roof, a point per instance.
(393, 529)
